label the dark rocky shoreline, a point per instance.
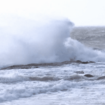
(35, 65)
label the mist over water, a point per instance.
(41, 40)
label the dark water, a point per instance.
(93, 37)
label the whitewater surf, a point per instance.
(27, 41)
(45, 61)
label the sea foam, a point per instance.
(41, 40)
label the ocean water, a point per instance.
(51, 63)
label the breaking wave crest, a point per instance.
(44, 40)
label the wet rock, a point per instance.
(19, 67)
(88, 75)
(35, 65)
(99, 78)
(82, 62)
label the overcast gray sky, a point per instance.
(81, 12)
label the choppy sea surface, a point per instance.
(75, 83)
